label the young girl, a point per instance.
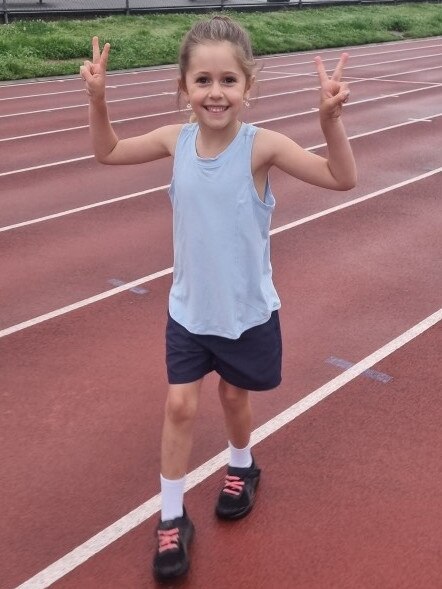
(223, 307)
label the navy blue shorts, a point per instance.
(252, 362)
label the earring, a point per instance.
(246, 102)
(188, 107)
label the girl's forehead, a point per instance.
(218, 55)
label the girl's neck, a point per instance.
(210, 143)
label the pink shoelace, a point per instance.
(233, 485)
(168, 539)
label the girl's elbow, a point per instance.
(102, 159)
(348, 183)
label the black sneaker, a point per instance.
(238, 495)
(174, 537)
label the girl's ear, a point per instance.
(182, 86)
(249, 84)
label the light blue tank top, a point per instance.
(222, 279)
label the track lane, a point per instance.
(131, 239)
(29, 121)
(81, 365)
(357, 506)
(419, 101)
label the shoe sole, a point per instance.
(234, 516)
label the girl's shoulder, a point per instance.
(169, 136)
(266, 144)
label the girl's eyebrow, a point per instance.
(209, 74)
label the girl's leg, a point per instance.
(175, 530)
(238, 495)
(237, 414)
(180, 412)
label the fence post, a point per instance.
(127, 7)
(5, 12)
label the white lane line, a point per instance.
(353, 103)
(350, 47)
(354, 201)
(81, 89)
(41, 166)
(84, 208)
(352, 67)
(75, 77)
(108, 293)
(158, 188)
(421, 120)
(353, 80)
(85, 104)
(291, 115)
(133, 519)
(174, 68)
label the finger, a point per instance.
(341, 98)
(104, 56)
(95, 50)
(86, 74)
(337, 74)
(322, 74)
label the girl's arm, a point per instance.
(338, 170)
(108, 148)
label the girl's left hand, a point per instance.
(334, 93)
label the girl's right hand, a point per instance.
(94, 73)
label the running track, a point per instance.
(350, 444)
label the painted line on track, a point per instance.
(373, 374)
(290, 75)
(260, 58)
(135, 283)
(289, 116)
(352, 67)
(281, 76)
(133, 519)
(84, 208)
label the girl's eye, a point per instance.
(202, 80)
(229, 80)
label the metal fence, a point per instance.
(15, 9)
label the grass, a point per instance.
(38, 48)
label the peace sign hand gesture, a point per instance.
(94, 73)
(333, 92)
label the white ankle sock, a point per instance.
(172, 494)
(240, 457)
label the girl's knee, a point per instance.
(182, 403)
(231, 395)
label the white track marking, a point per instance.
(174, 68)
(85, 104)
(84, 208)
(133, 519)
(352, 67)
(353, 80)
(281, 75)
(353, 103)
(118, 121)
(150, 190)
(166, 271)
(353, 202)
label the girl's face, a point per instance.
(215, 85)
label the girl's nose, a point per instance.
(215, 90)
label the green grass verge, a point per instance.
(37, 48)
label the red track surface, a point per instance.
(350, 497)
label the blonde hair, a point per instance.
(217, 29)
